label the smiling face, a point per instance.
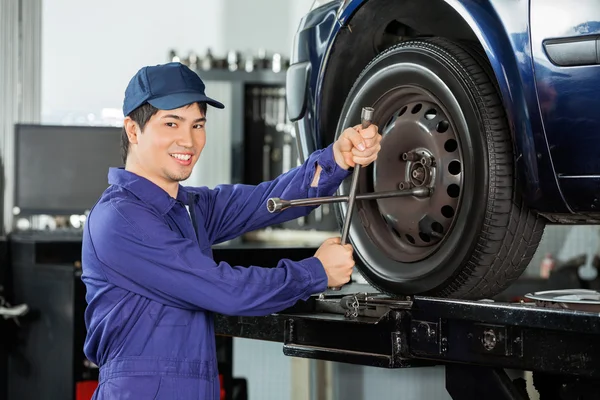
(166, 151)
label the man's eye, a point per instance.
(170, 124)
(198, 126)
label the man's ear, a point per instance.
(132, 130)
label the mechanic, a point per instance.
(152, 284)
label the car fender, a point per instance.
(502, 28)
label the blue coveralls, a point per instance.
(152, 284)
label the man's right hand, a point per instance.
(337, 261)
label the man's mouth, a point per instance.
(182, 157)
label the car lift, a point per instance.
(475, 340)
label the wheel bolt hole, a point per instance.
(453, 190)
(417, 108)
(443, 126)
(454, 167)
(410, 239)
(430, 114)
(391, 120)
(396, 232)
(448, 211)
(437, 227)
(424, 237)
(403, 110)
(450, 145)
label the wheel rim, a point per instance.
(419, 148)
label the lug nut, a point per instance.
(410, 156)
(419, 174)
(427, 161)
(405, 185)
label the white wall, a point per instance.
(90, 50)
(271, 24)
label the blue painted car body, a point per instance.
(553, 110)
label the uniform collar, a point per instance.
(146, 190)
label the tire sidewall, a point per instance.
(416, 65)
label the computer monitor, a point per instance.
(62, 170)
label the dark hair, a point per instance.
(141, 116)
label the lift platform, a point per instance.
(555, 335)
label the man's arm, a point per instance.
(140, 253)
(231, 210)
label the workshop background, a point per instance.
(67, 62)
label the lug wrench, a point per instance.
(276, 204)
(366, 116)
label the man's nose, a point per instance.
(185, 138)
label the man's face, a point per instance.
(171, 143)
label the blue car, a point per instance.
(492, 104)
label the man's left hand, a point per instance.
(357, 146)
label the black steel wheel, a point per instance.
(443, 127)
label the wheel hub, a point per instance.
(420, 168)
(419, 149)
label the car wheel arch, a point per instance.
(351, 50)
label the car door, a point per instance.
(565, 39)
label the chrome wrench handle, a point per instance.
(366, 118)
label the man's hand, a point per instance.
(337, 261)
(357, 146)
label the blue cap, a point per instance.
(166, 87)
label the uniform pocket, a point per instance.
(170, 316)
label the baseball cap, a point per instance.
(166, 87)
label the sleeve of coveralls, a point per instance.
(141, 254)
(231, 210)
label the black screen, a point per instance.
(63, 170)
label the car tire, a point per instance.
(440, 113)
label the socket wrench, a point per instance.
(275, 204)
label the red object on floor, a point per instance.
(85, 390)
(222, 381)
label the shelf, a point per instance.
(255, 77)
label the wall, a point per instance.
(87, 62)
(91, 49)
(20, 54)
(355, 382)
(251, 25)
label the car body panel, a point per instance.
(569, 95)
(311, 43)
(502, 27)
